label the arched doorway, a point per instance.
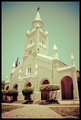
(45, 82)
(7, 88)
(15, 86)
(27, 84)
(44, 94)
(67, 88)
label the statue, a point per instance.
(16, 63)
(38, 8)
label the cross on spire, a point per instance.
(38, 8)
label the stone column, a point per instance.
(60, 96)
(75, 85)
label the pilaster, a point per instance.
(75, 85)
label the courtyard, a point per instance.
(18, 110)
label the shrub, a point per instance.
(27, 91)
(49, 87)
(4, 92)
(3, 95)
(12, 92)
(46, 90)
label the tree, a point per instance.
(48, 88)
(13, 94)
(27, 91)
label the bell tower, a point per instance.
(36, 39)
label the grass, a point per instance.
(67, 111)
(62, 105)
(7, 108)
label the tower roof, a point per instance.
(37, 20)
(38, 16)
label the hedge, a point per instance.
(4, 92)
(27, 91)
(12, 92)
(49, 87)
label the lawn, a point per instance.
(67, 111)
(7, 108)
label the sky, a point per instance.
(61, 20)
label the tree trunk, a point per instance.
(28, 97)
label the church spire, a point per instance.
(55, 52)
(38, 16)
(37, 19)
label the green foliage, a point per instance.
(27, 91)
(4, 92)
(12, 92)
(49, 87)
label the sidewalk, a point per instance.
(32, 111)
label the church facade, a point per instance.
(39, 68)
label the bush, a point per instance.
(45, 89)
(4, 92)
(49, 87)
(27, 91)
(3, 95)
(12, 92)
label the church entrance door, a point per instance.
(67, 88)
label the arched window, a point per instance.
(28, 84)
(45, 82)
(29, 69)
(15, 86)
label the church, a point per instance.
(38, 68)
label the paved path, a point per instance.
(32, 111)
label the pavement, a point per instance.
(31, 111)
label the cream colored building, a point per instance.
(39, 68)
